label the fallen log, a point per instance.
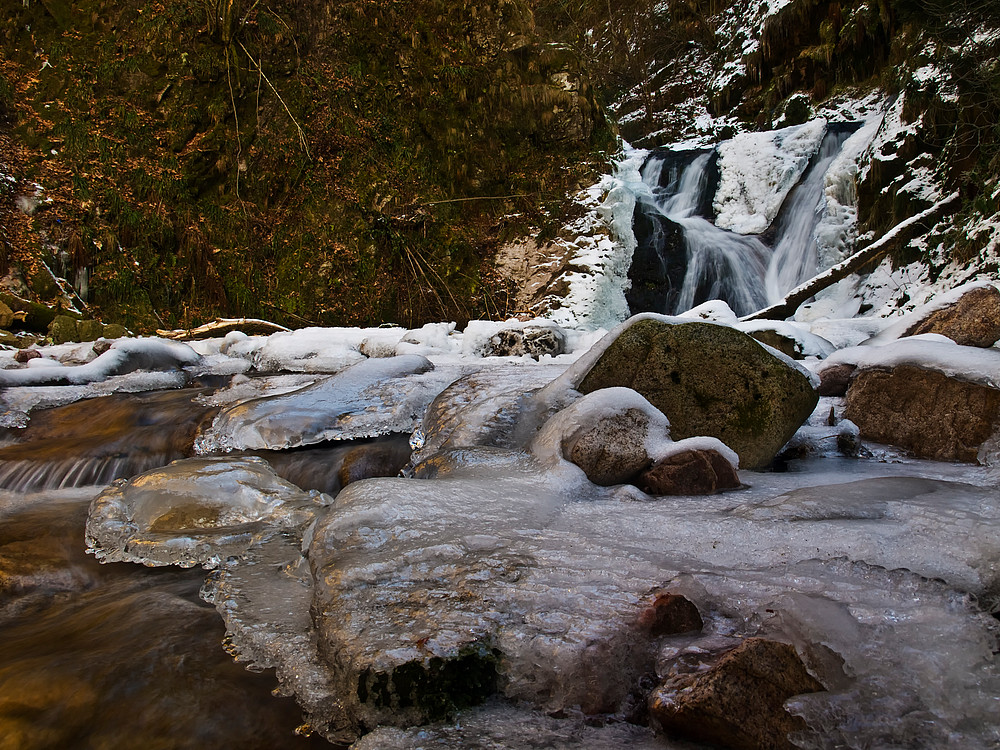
(222, 326)
(787, 306)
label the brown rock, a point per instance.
(738, 703)
(6, 316)
(26, 354)
(380, 459)
(613, 449)
(833, 380)
(670, 614)
(695, 472)
(972, 320)
(709, 380)
(931, 414)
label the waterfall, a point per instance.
(683, 259)
(795, 257)
(708, 262)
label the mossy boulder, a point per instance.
(6, 316)
(709, 380)
(89, 330)
(63, 328)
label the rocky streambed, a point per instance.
(668, 537)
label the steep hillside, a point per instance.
(700, 71)
(348, 162)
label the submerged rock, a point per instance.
(709, 380)
(196, 511)
(739, 703)
(670, 614)
(927, 412)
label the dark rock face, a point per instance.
(659, 260)
(613, 450)
(531, 340)
(833, 380)
(693, 472)
(670, 614)
(739, 702)
(972, 320)
(658, 263)
(931, 414)
(709, 380)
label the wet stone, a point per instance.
(739, 703)
(695, 472)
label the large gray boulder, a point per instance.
(709, 380)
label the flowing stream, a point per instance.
(119, 655)
(492, 558)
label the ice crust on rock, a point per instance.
(929, 351)
(486, 407)
(196, 511)
(371, 398)
(551, 573)
(124, 356)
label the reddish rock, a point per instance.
(972, 320)
(670, 614)
(695, 472)
(24, 355)
(924, 411)
(738, 703)
(833, 380)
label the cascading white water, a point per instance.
(795, 257)
(719, 264)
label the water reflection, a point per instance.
(112, 656)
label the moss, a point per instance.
(436, 687)
(290, 142)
